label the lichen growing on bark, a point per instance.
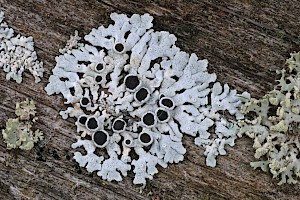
(135, 93)
(274, 124)
(18, 132)
(17, 54)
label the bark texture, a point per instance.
(245, 41)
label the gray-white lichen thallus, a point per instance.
(133, 92)
(17, 54)
(18, 132)
(274, 123)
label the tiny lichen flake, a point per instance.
(18, 132)
(25, 109)
(136, 94)
(275, 125)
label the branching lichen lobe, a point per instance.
(274, 123)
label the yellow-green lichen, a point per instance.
(18, 132)
(274, 124)
(25, 109)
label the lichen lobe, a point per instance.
(274, 124)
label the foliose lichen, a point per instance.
(17, 54)
(135, 94)
(18, 132)
(274, 123)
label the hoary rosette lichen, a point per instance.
(274, 123)
(17, 54)
(134, 92)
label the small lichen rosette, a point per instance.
(135, 94)
(274, 123)
(17, 54)
(18, 132)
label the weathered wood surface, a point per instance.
(245, 41)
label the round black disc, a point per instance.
(82, 119)
(98, 79)
(119, 47)
(142, 94)
(148, 119)
(162, 115)
(145, 138)
(84, 101)
(100, 138)
(119, 125)
(92, 123)
(167, 102)
(132, 82)
(99, 67)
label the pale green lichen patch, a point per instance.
(18, 132)
(274, 123)
(26, 110)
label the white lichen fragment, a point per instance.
(222, 99)
(136, 94)
(71, 43)
(18, 132)
(274, 124)
(17, 54)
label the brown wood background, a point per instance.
(245, 41)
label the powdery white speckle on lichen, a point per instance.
(135, 94)
(17, 54)
(273, 123)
